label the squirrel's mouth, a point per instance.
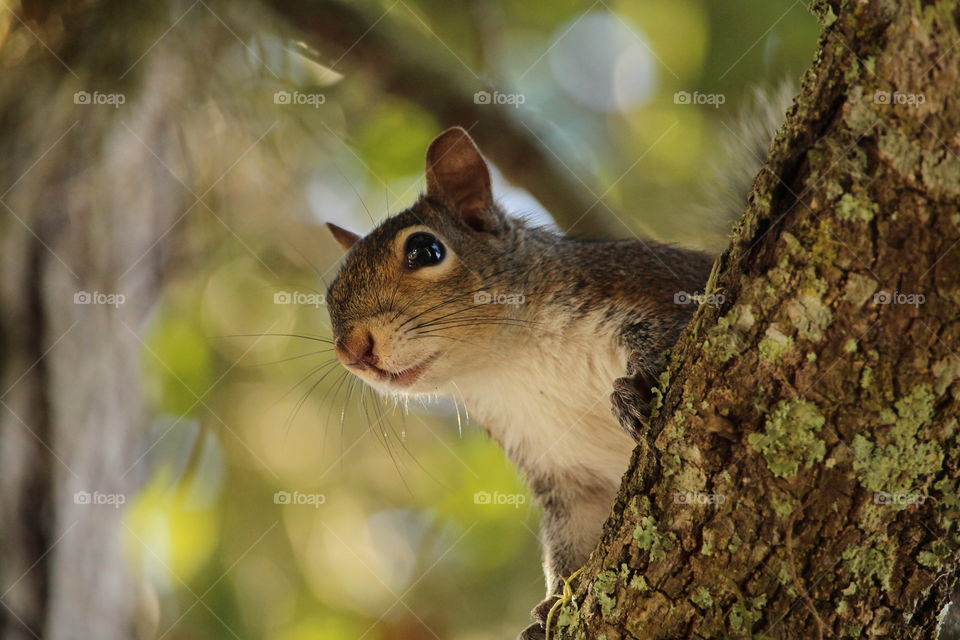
(403, 378)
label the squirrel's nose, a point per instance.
(358, 350)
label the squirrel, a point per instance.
(553, 342)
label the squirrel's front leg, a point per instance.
(632, 395)
(631, 403)
(571, 527)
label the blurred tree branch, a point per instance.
(350, 37)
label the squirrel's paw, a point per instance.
(538, 630)
(631, 405)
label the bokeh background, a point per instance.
(277, 498)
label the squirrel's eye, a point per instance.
(423, 250)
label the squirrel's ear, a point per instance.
(457, 175)
(346, 238)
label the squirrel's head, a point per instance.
(410, 307)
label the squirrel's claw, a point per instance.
(631, 405)
(538, 630)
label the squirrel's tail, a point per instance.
(744, 150)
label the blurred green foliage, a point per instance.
(399, 547)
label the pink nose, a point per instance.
(358, 350)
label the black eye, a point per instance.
(423, 250)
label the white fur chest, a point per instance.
(549, 404)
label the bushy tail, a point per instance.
(744, 151)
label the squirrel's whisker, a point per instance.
(329, 363)
(302, 355)
(275, 335)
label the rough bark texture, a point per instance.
(794, 413)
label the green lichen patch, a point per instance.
(659, 391)
(871, 562)
(901, 456)
(735, 543)
(783, 507)
(790, 438)
(866, 377)
(827, 17)
(859, 289)
(938, 556)
(939, 169)
(649, 538)
(702, 598)
(569, 615)
(774, 344)
(850, 346)
(604, 586)
(639, 583)
(809, 315)
(723, 339)
(946, 371)
(949, 492)
(745, 318)
(746, 613)
(856, 208)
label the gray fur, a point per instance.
(743, 152)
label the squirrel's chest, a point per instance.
(549, 407)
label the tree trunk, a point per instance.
(800, 477)
(86, 211)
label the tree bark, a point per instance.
(87, 207)
(800, 477)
